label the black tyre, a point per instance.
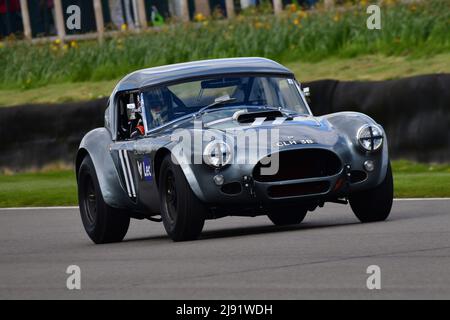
(374, 204)
(286, 215)
(102, 223)
(182, 212)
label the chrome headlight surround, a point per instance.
(217, 154)
(370, 137)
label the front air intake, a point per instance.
(300, 164)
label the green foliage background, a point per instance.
(407, 29)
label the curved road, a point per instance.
(236, 258)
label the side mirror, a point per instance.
(306, 92)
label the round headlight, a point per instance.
(370, 137)
(217, 154)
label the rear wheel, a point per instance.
(374, 204)
(102, 223)
(182, 213)
(286, 215)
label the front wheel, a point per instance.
(374, 204)
(182, 213)
(286, 215)
(102, 223)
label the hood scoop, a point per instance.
(243, 116)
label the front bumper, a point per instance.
(351, 177)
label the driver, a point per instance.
(135, 122)
(138, 129)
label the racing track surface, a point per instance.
(237, 258)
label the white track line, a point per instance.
(421, 199)
(38, 208)
(76, 207)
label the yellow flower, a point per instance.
(259, 25)
(413, 8)
(337, 17)
(363, 3)
(302, 14)
(2, 45)
(58, 41)
(296, 22)
(293, 8)
(73, 44)
(54, 47)
(66, 47)
(124, 27)
(199, 17)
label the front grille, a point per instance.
(298, 189)
(300, 164)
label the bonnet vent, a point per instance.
(249, 117)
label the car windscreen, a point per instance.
(166, 103)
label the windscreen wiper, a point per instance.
(217, 102)
(281, 109)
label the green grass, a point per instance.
(368, 67)
(421, 180)
(414, 30)
(56, 188)
(422, 185)
(57, 93)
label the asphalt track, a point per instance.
(236, 258)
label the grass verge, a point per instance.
(55, 188)
(417, 180)
(369, 67)
(58, 188)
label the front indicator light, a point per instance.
(369, 165)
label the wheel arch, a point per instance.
(348, 123)
(186, 167)
(157, 160)
(96, 145)
(81, 154)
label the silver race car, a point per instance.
(202, 140)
